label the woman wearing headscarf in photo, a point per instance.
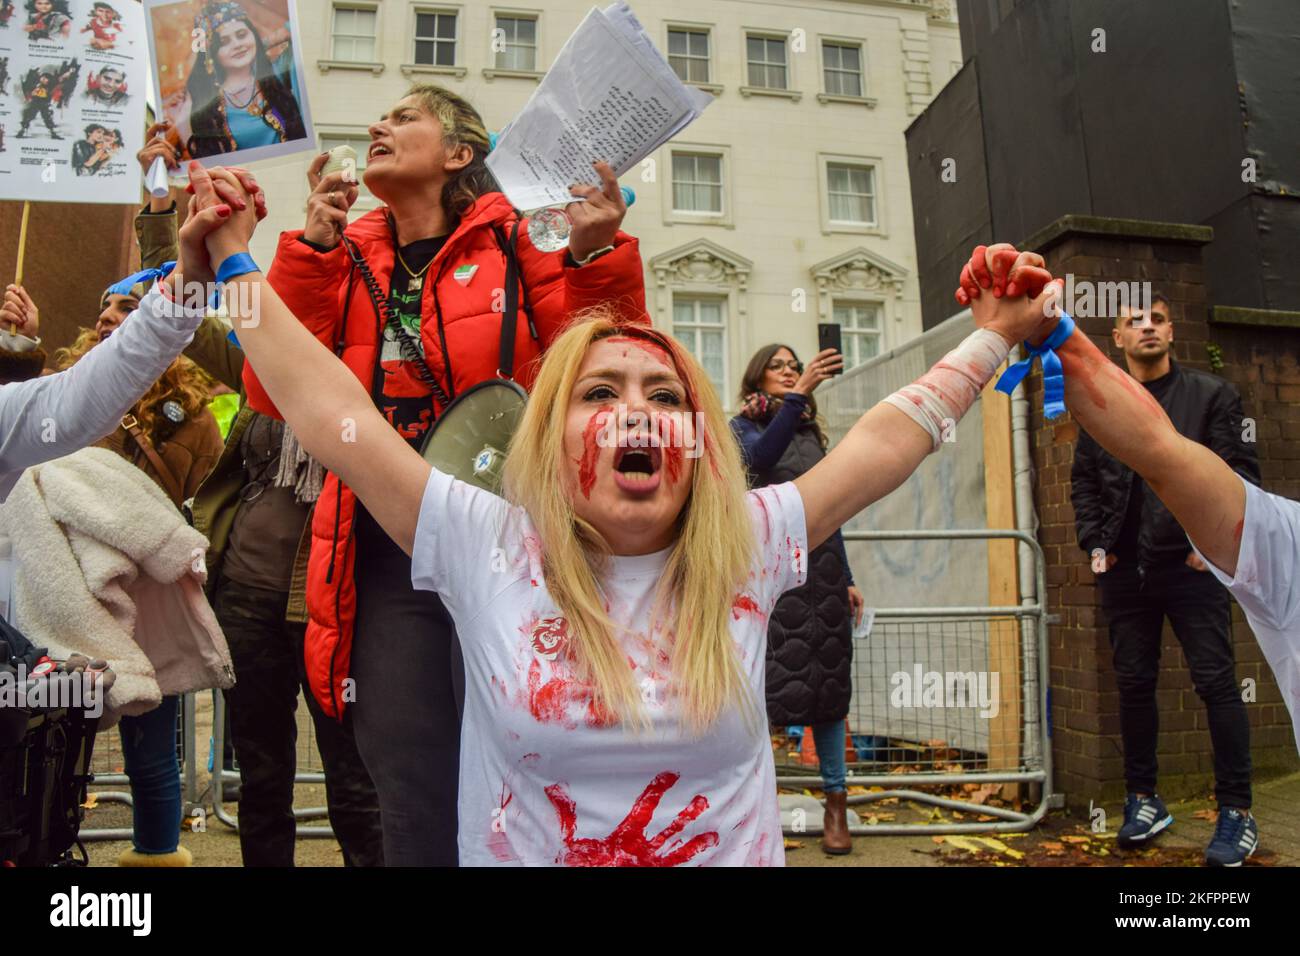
(235, 97)
(809, 642)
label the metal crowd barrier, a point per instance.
(221, 776)
(107, 761)
(959, 745)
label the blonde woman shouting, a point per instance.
(612, 607)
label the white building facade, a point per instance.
(785, 205)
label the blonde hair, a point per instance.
(183, 382)
(461, 126)
(709, 561)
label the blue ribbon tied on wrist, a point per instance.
(1053, 373)
(123, 286)
(239, 264)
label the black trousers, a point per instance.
(32, 110)
(410, 688)
(267, 654)
(1136, 603)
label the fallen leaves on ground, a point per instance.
(1075, 847)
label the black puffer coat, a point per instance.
(1204, 408)
(809, 636)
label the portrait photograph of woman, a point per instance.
(240, 91)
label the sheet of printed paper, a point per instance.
(610, 94)
(72, 100)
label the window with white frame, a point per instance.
(700, 323)
(517, 42)
(765, 57)
(860, 329)
(353, 34)
(688, 54)
(359, 142)
(697, 183)
(851, 193)
(842, 68)
(435, 37)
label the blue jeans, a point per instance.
(149, 752)
(829, 741)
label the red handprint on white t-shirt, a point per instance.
(628, 844)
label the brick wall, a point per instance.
(1264, 364)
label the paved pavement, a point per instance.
(1062, 840)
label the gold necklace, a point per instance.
(411, 272)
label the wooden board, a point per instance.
(1004, 582)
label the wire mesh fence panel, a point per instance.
(930, 695)
(943, 695)
(204, 755)
(308, 771)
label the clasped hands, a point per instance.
(1025, 300)
(226, 207)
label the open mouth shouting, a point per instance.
(637, 470)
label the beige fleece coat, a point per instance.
(107, 567)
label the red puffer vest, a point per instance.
(315, 286)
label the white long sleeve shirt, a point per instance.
(52, 416)
(1267, 586)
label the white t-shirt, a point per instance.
(53, 416)
(544, 778)
(1267, 587)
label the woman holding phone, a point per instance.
(809, 640)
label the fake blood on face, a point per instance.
(671, 447)
(591, 449)
(652, 348)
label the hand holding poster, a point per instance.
(229, 78)
(72, 80)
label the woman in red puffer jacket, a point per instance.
(436, 251)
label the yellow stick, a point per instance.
(22, 242)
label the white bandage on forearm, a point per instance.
(938, 399)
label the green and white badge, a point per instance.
(464, 273)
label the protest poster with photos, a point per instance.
(72, 99)
(229, 77)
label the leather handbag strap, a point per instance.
(171, 484)
(509, 314)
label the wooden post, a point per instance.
(22, 248)
(22, 242)
(1004, 583)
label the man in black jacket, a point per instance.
(1147, 571)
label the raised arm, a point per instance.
(1201, 491)
(1196, 485)
(53, 416)
(891, 440)
(331, 414)
(49, 417)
